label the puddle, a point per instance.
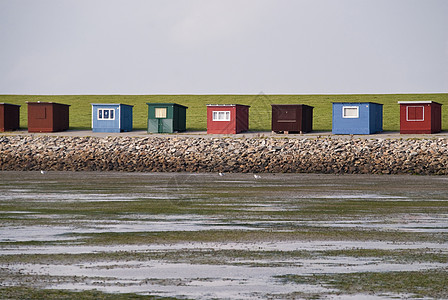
(56, 233)
(203, 280)
(7, 212)
(355, 197)
(172, 279)
(64, 197)
(33, 233)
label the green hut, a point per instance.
(166, 117)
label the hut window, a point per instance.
(106, 114)
(221, 116)
(415, 113)
(350, 112)
(161, 113)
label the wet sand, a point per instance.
(207, 236)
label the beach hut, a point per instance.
(9, 117)
(47, 116)
(166, 117)
(357, 118)
(227, 118)
(289, 118)
(420, 117)
(111, 117)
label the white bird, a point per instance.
(220, 174)
(257, 176)
(42, 172)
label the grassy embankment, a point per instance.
(260, 112)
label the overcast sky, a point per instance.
(223, 46)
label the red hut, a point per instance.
(47, 117)
(420, 117)
(9, 117)
(227, 118)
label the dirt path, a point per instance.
(250, 134)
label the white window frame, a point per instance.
(158, 110)
(221, 115)
(102, 114)
(350, 117)
(415, 120)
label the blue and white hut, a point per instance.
(357, 117)
(111, 117)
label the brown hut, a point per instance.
(289, 118)
(47, 117)
(9, 117)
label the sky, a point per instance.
(59, 47)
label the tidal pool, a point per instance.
(207, 236)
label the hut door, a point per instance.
(160, 126)
(160, 113)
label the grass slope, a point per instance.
(260, 111)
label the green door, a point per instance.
(153, 125)
(160, 126)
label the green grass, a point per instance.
(17, 292)
(260, 111)
(431, 283)
(230, 256)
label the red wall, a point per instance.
(420, 118)
(436, 118)
(47, 117)
(239, 120)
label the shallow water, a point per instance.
(244, 246)
(260, 222)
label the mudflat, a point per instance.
(210, 235)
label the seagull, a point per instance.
(257, 176)
(42, 172)
(220, 174)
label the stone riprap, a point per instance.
(206, 154)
